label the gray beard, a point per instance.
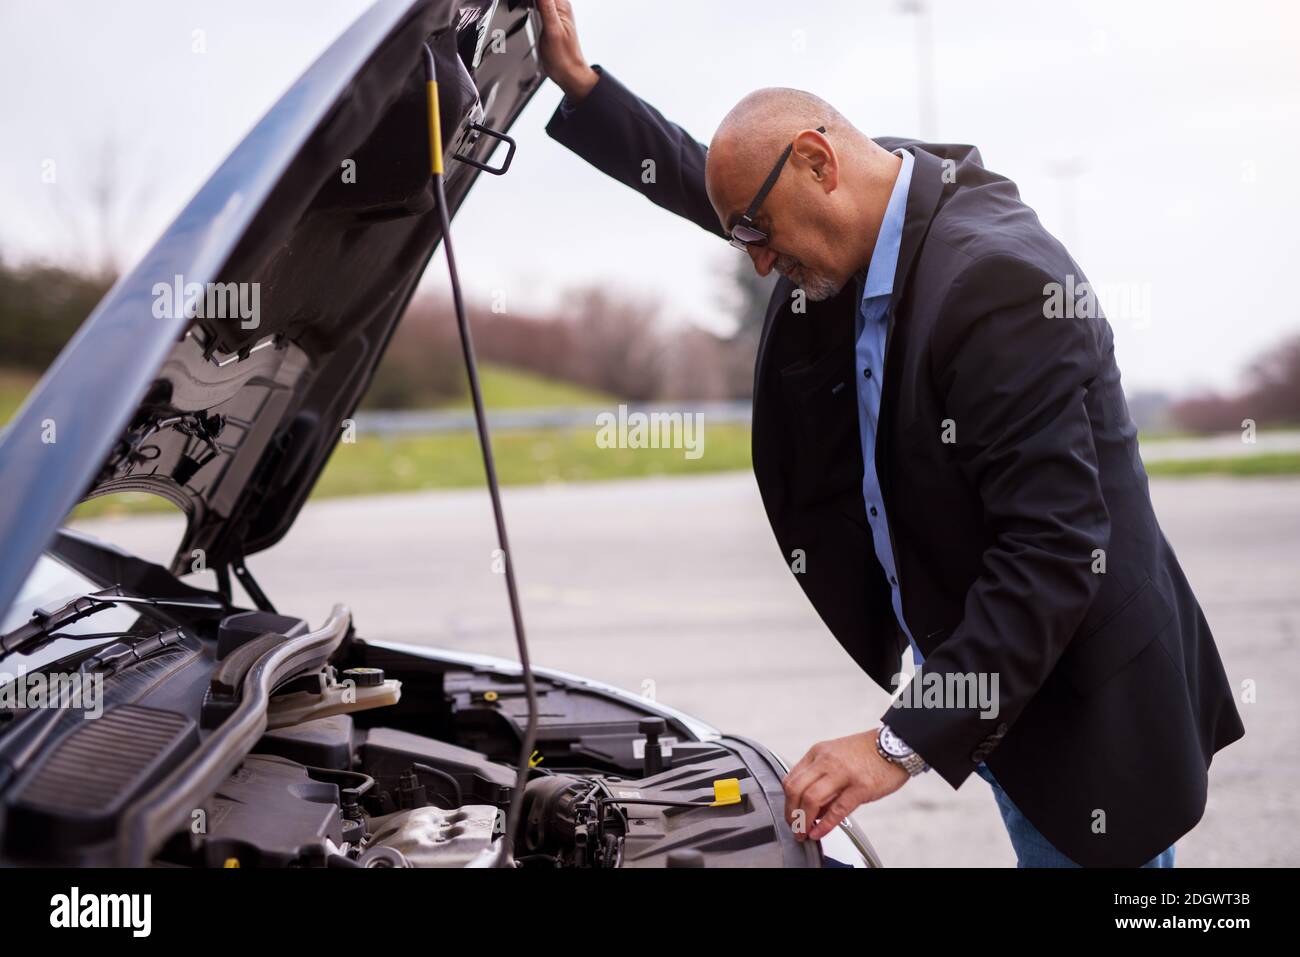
(819, 288)
(816, 287)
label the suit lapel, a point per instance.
(922, 201)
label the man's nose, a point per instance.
(763, 259)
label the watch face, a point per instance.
(892, 743)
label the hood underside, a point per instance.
(220, 371)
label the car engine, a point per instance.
(377, 755)
(331, 791)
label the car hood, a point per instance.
(323, 220)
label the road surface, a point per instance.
(675, 585)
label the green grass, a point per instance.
(123, 503)
(507, 388)
(503, 388)
(1246, 466)
(14, 386)
(374, 466)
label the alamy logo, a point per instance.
(951, 690)
(651, 430)
(75, 909)
(38, 689)
(1079, 299)
(213, 300)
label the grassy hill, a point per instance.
(503, 388)
(507, 388)
(375, 465)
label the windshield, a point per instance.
(50, 584)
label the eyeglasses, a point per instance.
(744, 233)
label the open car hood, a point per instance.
(233, 419)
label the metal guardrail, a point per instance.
(433, 422)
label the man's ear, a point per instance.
(814, 154)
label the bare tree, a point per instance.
(97, 210)
(617, 343)
(1271, 395)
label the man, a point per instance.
(945, 455)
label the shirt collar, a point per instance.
(884, 258)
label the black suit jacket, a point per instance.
(1026, 544)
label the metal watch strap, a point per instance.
(912, 763)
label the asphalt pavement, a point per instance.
(675, 587)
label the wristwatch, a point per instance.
(893, 748)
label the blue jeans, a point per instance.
(1034, 850)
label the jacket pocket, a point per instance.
(1093, 659)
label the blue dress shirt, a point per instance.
(872, 327)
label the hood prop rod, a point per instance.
(250, 585)
(485, 443)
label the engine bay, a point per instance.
(431, 788)
(388, 756)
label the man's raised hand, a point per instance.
(561, 53)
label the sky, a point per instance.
(1157, 139)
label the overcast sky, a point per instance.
(1182, 116)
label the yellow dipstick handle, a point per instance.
(435, 128)
(726, 791)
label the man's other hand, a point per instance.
(832, 779)
(561, 53)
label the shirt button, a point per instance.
(866, 373)
(893, 581)
(873, 511)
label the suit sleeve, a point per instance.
(1014, 385)
(628, 139)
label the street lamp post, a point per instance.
(924, 63)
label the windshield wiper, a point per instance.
(45, 621)
(25, 735)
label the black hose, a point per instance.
(444, 776)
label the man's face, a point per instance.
(795, 215)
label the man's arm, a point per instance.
(617, 132)
(1014, 384)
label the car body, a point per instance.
(219, 374)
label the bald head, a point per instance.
(751, 137)
(825, 208)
